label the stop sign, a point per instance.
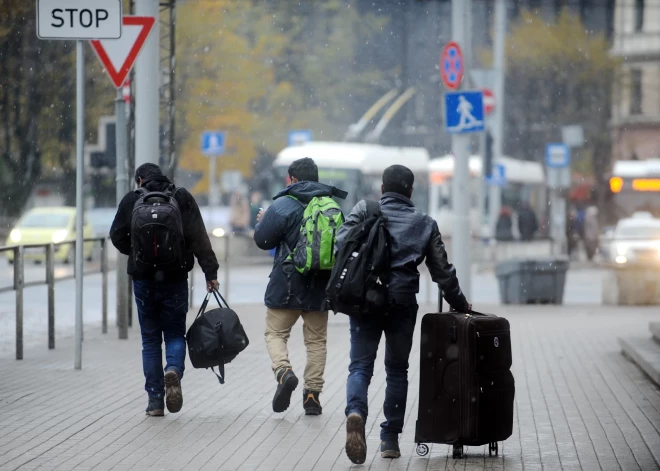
(489, 100)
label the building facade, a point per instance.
(636, 100)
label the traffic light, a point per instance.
(488, 156)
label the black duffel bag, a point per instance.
(216, 337)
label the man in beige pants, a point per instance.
(290, 294)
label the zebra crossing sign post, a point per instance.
(464, 112)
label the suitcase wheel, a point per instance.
(457, 452)
(422, 449)
(493, 448)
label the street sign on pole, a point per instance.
(498, 177)
(213, 143)
(299, 136)
(557, 156)
(79, 19)
(489, 100)
(452, 65)
(118, 55)
(464, 112)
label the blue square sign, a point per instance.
(464, 112)
(299, 136)
(213, 143)
(498, 178)
(557, 156)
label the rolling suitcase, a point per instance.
(466, 388)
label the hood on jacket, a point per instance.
(159, 183)
(305, 191)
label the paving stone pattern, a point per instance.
(579, 405)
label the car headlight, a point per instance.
(620, 259)
(218, 232)
(621, 249)
(59, 236)
(15, 236)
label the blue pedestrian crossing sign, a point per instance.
(498, 177)
(464, 112)
(299, 136)
(213, 143)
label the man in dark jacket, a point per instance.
(290, 294)
(162, 296)
(414, 237)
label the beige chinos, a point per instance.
(279, 323)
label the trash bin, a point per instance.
(532, 281)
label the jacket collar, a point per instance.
(396, 196)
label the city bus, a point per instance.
(357, 168)
(635, 187)
(525, 182)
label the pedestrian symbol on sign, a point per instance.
(464, 112)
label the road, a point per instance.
(246, 286)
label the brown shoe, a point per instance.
(173, 393)
(356, 444)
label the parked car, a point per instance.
(636, 241)
(44, 225)
(101, 220)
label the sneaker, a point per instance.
(287, 382)
(390, 448)
(356, 444)
(156, 407)
(173, 393)
(311, 402)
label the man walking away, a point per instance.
(414, 237)
(290, 294)
(161, 232)
(527, 222)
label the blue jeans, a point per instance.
(162, 309)
(399, 326)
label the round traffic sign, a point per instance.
(489, 100)
(451, 65)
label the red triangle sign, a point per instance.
(118, 55)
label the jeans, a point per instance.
(398, 325)
(162, 309)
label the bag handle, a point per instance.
(205, 303)
(155, 194)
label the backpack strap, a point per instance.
(304, 206)
(373, 208)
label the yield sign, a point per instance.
(118, 55)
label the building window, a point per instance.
(635, 91)
(639, 15)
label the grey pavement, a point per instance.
(579, 404)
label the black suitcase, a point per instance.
(466, 388)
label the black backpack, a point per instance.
(360, 277)
(215, 337)
(157, 240)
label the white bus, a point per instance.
(525, 183)
(635, 186)
(357, 168)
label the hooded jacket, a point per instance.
(414, 237)
(279, 227)
(195, 235)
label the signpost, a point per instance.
(213, 146)
(489, 101)
(558, 172)
(451, 65)
(79, 19)
(464, 112)
(118, 57)
(299, 137)
(498, 176)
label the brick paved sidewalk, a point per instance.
(579, 405)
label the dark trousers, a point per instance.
(162, 309)
(398, 326)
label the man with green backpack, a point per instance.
(302, 225)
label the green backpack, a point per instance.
(315, 250)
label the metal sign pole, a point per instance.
(80, 172)
(460, 145)
(121, 190)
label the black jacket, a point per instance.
(287, 288)
(414, 237)
(196, 237)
